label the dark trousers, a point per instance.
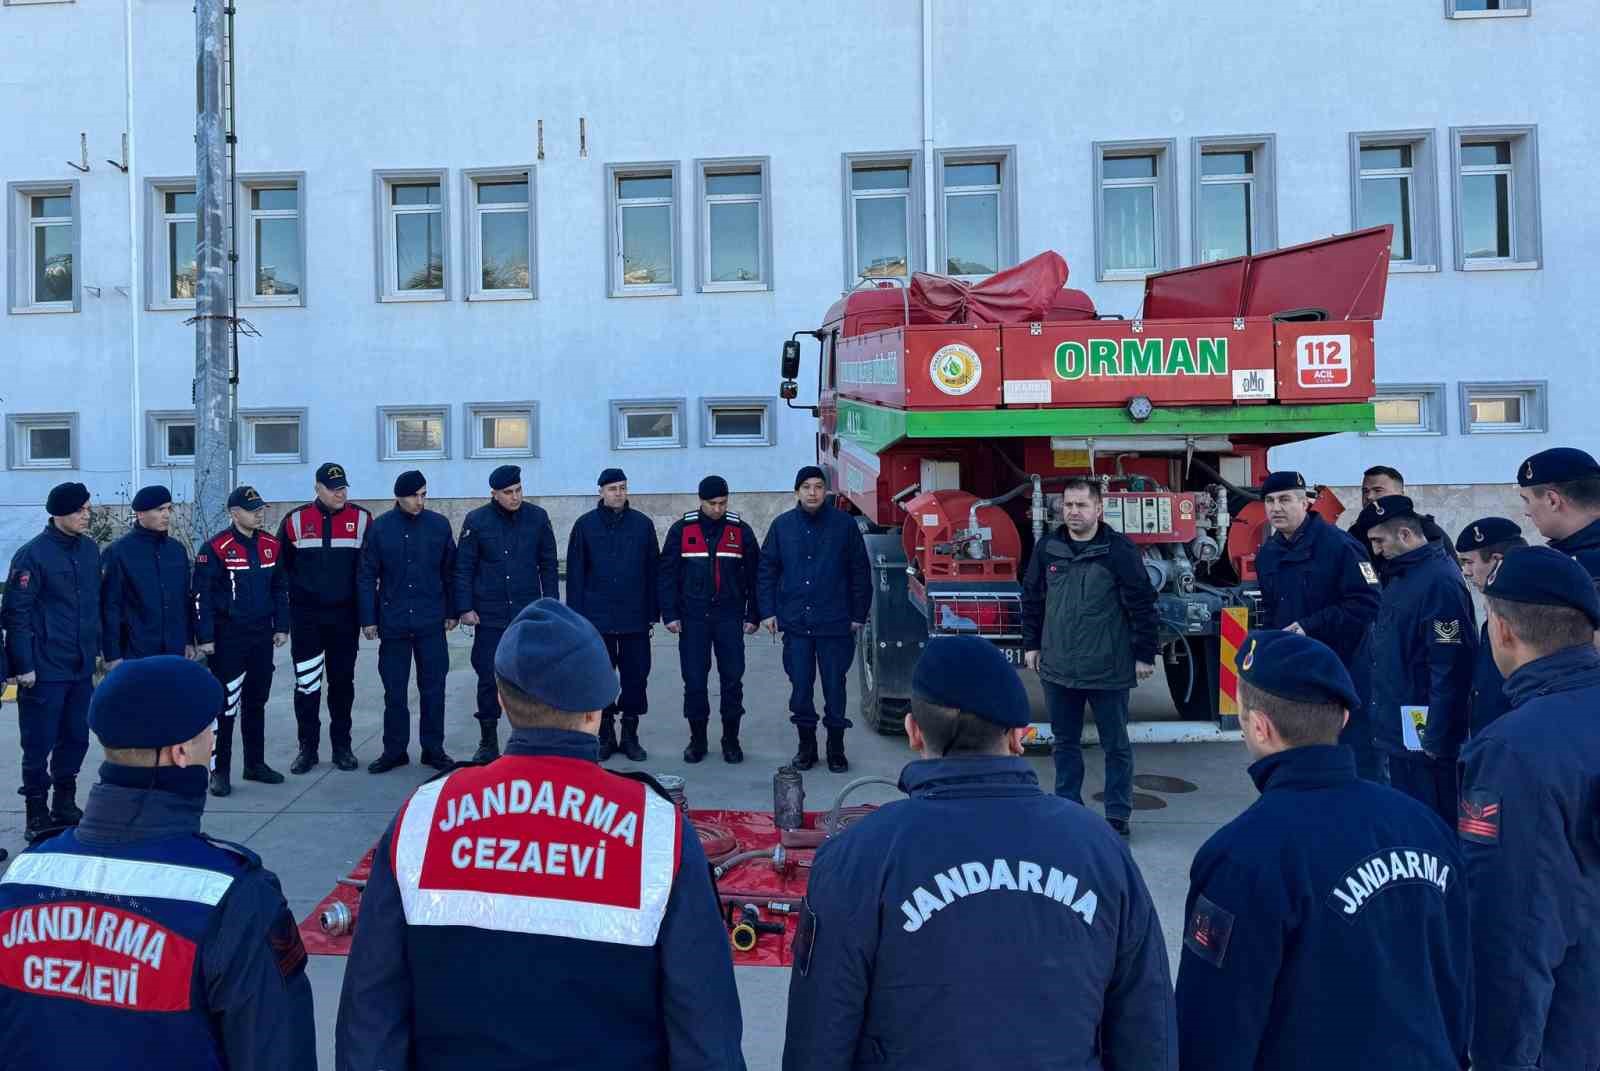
(484, 642)
(319, 649)
(804, 659)
(1431, 782)
(53, 722)
(630, 657)
(394, 668)
(695, 644)
(243, 663)
(1111, 720)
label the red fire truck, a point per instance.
(948, 413)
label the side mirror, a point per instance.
(788, 390)
(789, 368)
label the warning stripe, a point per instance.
(1234, 625)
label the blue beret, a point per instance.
(1292, 666)
(612, 475)
(153, 497)
(1545, 577)
(409, 483)
(505, 476)
(154, 702)
(809, 472)
(1385, 509)
(1557, 465)
(1486, 532)
(1283, 481)
(713, 487)
(970, 674)
(65, 499)
(555, 655)
(246, 498)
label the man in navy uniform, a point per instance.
(1376, 482)
(1529, 822)
(707, 591)
(145, 588)
(1326, 926)
(405, 591)
(541, 874)
(815, 586)
(505, 560)
(321, 543)
(1560, 491)
(1479, 548)
(51, 611)
(982, 922)
(611, 580)
(136, 941)
(242, 613)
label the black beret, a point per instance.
(1283, 481)
(552, 653)
(154, 702)
(809, 472)
(330, 474)
(153, 497)
(246, 498)
(1486, 532)
(970, 674)
(505, 476)
(713, 487)
(612, 475)
(1559, 464)
(1292, 666)
(1544, 576)
(1385, 509)
(66, 499)
(409, 483)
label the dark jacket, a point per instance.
(238, 585)
(1430, 531)
(1423, 644)
(407, 574)
(611, 570)
(1089, 610)
(1530, 831)
(321, 553)
(1584, 546)
(1326, 928)
(979, 924)
(146, 605)
(814, 575)
(1489, 699)
(630, 960)
(225, 987)
(504, 562)
(709, 570)
(51, 608)
(1320, 578)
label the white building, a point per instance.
(577, 234)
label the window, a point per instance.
(172, 236)
(499, 239)
(169, 437)
(413, 256)
(413, 433)
(737, 421)
(503, 429)
(1135, 208)
(24, 3)
(977, 230)
(1485, 9)
(1496, 197)
(1409, 409)
(1392, 181)
(44, 247)
(735, 224)
(647, 424)
(642, 228)
(272, 436)
(42, 441)
(271, 239)
(1235, 197)
(1503, 407)
(883, 216)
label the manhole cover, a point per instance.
(1162, 783)
(1142, 801)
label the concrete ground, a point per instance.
(312, 829)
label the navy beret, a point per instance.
(330, 474)
(809, 472)
(970, 674)
(612, 475)
(153, 497)
(1557, 465)
(505, 476)
(66, 499)
(1386, 509)
(246, 498)
(154, 702)
(1486, 532)
(409, 483)
(1292, 666)
(1283, 481)
(554, 654)
(713, 487)
(1545, 577)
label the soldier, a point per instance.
(611, 580)
(1326, 926)
(506, 560)
(1560, 491)
(321, 552)
(145, 586)
(51, 611)
(1382, 480)
(241, 614)
(1481, 545)
(707, 591)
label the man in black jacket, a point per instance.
(145, 586)
(1089, 628)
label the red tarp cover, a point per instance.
(1017, 295)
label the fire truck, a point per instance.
(950, 415)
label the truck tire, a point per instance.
(1196, 702)
(881, 715)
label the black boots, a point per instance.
(489, 741)
(64, 810)
(630, 739)
(260, 771)
(39, 822)
(837, 763)
(383, 763)
(731, 751)
(344, 758)
(304, 762)
(608, 735)
(438, 758)
(806, 757)
(697, 742)
(221, 784)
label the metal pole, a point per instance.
(211, 354)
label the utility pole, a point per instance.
(212, 417)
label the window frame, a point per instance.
(472, 231)
(916, 235)
(620, 407)
(248, 418)
(1525, 9)
(1431, 395)
(268, 180)
(388, 449)
(1262, 182)
(20, 266)
(1535, 395)
(614, 231)
(384, 215)
(472, 412)
(1168, 254)
(156, 422)
(17, 427)
(157, 263)
(732, 165)
(769, 420)
(1522, 195)
(1006, 201)
(1423, 186)
(34, 3)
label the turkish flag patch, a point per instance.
(1208, 930)
(1478, 817)
(23, 578)
(288, 951)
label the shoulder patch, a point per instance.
(1208, 931)
(1478, 817)
(1368, 573)
(24, 578)
(288, 951)
(691, 515)
(1447, 631)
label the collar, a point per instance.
(1413, 558)
(233, 530)
(1313, 518)
(562, 743)
(1562, 671)
(145, 533)
(811, 514)
(1314, 766)
(1585, 538)
(134, 802)
(59, 536)
(325, 511)
(404, 516)
(977, 775)
(508, 514)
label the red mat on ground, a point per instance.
(754, 882)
